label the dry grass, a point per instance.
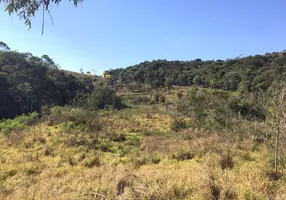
(195, 179)
(135, 156)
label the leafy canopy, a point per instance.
(26, 9)
(4, 47)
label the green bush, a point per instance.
(107, 146)
(7, 126)
(67, 126)
(158, 97)
(82, 118)
(133, 140)
(217, 109)
(195, 105)
(91, 161)
(103, 96)
(178, 124)
(137, 99)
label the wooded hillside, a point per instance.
(244, 74)
(28, 83)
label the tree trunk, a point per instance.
(277, 145)
(113, 102)
(113, 99)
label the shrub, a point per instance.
(183, 155)
(217, 110)
(189, 134)
(19, 123)
(230, 194)
(179, 94)
(117, 137)
(87, 140)
(107, 146)
(195, 105)
(91, 161)
(226, 162)
(133, 140)
(137, 100)
(72, 117)
(178, 123)
(67, 126)
(144, 159)
(103, 96)
(158, 98)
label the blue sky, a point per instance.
(109, 34)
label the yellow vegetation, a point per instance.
(137, 157)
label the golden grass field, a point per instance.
(134, 156)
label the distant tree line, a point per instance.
(244, 74)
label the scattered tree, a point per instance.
(274, 102)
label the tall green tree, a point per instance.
(28, 83)
(4, 47)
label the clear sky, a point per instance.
(109, 34)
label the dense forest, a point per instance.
(29, 83)
(242, 73)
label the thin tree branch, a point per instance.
(43, 20)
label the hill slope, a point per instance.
(29, 83)
(136, 155)
(244, 74)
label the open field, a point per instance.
(135, 155)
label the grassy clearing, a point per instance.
(135, 155)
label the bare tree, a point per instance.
(274, 103)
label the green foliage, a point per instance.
(178, 123)
(197, 80)
(26, 9)
(194, 105)
(102, 97)
(4, 47)
(72, 117)
(217, 109)
(107, 146)
(7, 126)
(68, 126)
(158, 97)
(28, 83)
(91, 161)
(136, 100)
(232, 74)
(168, 82)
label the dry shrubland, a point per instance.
(135, 154)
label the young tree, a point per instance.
(274, 102)
(168, 82)
(194, 104)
